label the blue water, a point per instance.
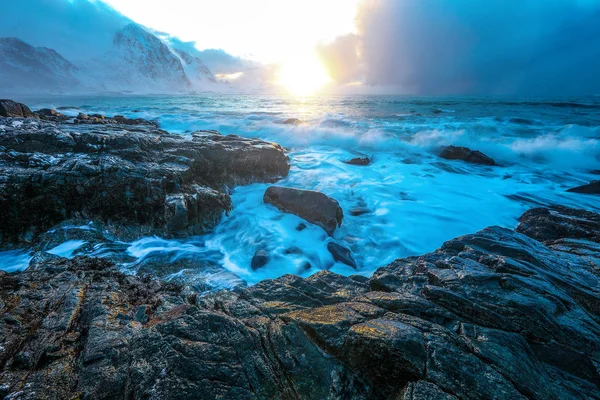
(416, 200)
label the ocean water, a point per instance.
(415, 200)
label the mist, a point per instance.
(532, 47)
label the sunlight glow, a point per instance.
(229, 77)
(267, 31)
(303, 75)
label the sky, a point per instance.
(538, 47)
(263, 30)
(492, 47)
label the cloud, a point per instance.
(77, 29)
(473, 46)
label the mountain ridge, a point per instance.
(138, 62)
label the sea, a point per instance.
(413, 200)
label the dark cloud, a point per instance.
(474, 46)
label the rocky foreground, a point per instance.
(127, 177)
(499, 314)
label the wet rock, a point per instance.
(550, 224)
(360, 161)
(466, 154)
(341, 254)
(591, 188)
(49, 114)
(119, 119)
(9, 108)
(291, 121)
(315, 207)
(260, 259)
(491, 315)
(301, 226)
(358, 211)
(131, 181)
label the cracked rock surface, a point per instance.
(493, 315)
(134, 180)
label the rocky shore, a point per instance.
(128, 177)
(499, 314)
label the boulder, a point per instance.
(260, 259)
(466, 154)
(360, 161)
(315, 207)
(9, 108)
(591, 188)
(130, 181)
(341, 254)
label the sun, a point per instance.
(302, 75)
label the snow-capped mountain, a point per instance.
(25, 68)
(138, 62)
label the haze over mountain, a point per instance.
(99, 51)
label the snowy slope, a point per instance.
(139, 62)
(24, 68)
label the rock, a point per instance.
(361, 161)
(301, 226)
(358, 211)
(591, 188)
(119, 119)
(466, 154)
(47, 112)
(260, 259)
(491, 315)
(341, 254)
(9, 108)
(548, 225)
(291, 121)
(130, 181)
(315, 207)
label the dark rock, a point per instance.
(315, 207)
(355, 212)
(132, 181)
(119, 119)
(260, 259)
(291, 121)
(341, 254)
(64, 108)
(550, 224)
(47, 112)
(361, 161)
(9, 108)
(301, 226)
(591, 188)
(466, 154)
(492, 315)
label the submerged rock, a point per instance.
(466, 154)
(492, 315)
(358, 211)
(315, 207)
(341, 254)
(591, 188)
(9, 108)
(360, 161)
(131, 180)
(291, 121)
(260, 259)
